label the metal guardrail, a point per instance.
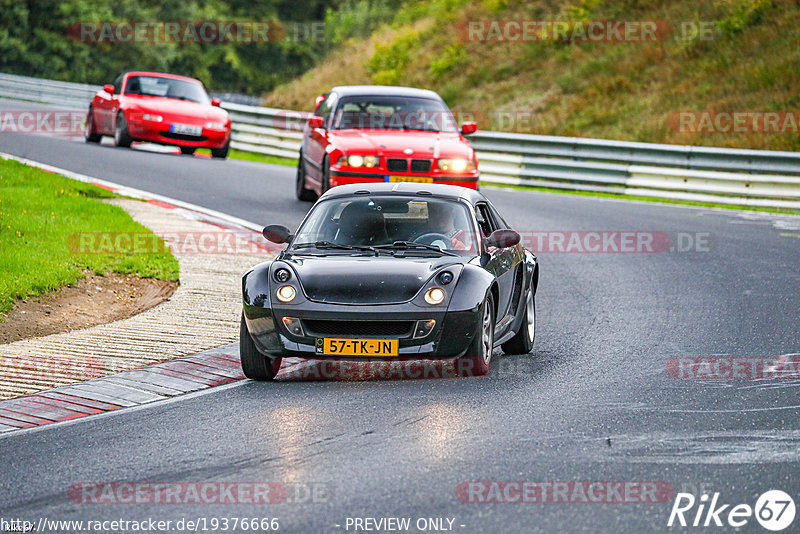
(747, 177)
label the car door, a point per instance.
(316, 140)
(499, 262)
(105, 107)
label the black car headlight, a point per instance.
(435, 295)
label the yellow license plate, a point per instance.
(415, 179)
(358, 347)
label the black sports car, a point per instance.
(391, 271)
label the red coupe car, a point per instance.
(362, 134)
(159, 108)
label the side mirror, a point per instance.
(469, 127)
(318, 101)
(277, 233)
(108, 88)
(503, 239)
(315, 121)
(216, 102)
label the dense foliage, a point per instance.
(35, 40)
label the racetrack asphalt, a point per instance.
(594, 402)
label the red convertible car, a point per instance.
(367, 134)
(159, 108)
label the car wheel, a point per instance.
(221, 152)
(326, 175)
(187, 150)
(522, 342)
(121, 136)
(90, 134)
(255, 365)
(300, 189)
(477, 360)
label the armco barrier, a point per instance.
(746, 177)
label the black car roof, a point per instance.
(384, 90)
(453, 192)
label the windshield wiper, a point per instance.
(405, 245)
(328, 245)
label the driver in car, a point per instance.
(441, 220)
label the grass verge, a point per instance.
(38, 213)
(253, 156)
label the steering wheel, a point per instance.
(435, 238)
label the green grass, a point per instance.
(39, 211)
(747, 61)
(620, 196)
(254, 156)
(261, 158)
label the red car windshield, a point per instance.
(393, 113)
(167, 88)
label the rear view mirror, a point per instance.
(108, 88)
(216, 102)
(503, 239)
(315, 122)
(277, 233)
(469, 127)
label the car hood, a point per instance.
(396, 143)
(365, 280)
(174, 110)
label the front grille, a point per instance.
(397, 165)
(317, 327)
(421, 165)
(182, 137)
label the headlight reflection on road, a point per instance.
(442, 423)
(290, 426)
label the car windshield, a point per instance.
(166, 87)
(395, 222)
(393, 113)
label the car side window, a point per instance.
(485, 219)
(500, 223)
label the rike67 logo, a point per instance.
(774, 510)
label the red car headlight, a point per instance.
(354, 160)
(215, 125)
(456, 165)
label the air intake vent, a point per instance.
(316, 327)
(397, 165)
(421, 165)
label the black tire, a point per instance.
(300, 190)
(522, 342)
(121, 136)
(477, 360)
(255, 365)
(90, 134)
(187, 150)
(221, 152)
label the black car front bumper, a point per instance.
(450, 337)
